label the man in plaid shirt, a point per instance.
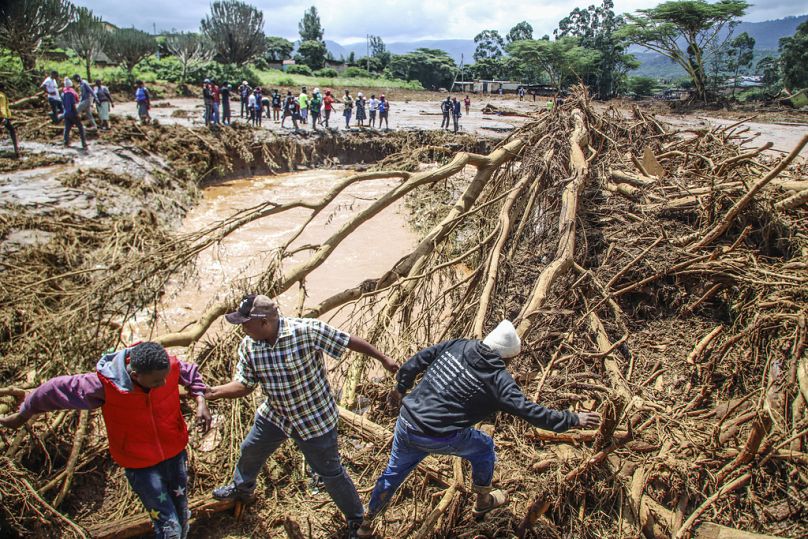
(285, 357)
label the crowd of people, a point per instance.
(300, 110)
(462, 381)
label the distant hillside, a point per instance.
(455, 47)
(766, 34)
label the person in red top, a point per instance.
(328, 106)
(467, 102)
(216, 94)
(137, 390)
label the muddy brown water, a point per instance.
(368, 252)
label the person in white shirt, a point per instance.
(373, 106)
(54, 99)
(251, 107)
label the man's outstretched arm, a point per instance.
(360, 345)
(76, 392)
(230, 390)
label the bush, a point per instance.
(285, 81)
(357, 72)
(299, 69)
(327, 72)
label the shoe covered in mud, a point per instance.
(229, 492)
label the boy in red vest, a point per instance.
(137, 390)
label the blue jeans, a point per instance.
(215, 115)
(322, 454)
(162, 489)
(410, 447)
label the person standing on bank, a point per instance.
(384, 112)
(87, 99)
(276, 105)
(373, 106)
(104, 100)
(70, 101)
(244, 91)
(446, 109)
(137, 390)
(224, 92)
(315, 106)
(467, 103)
(328, 107)
(456, 114)
(347, 108)
(285, 357)
(360, 110)
(465, 381)
(303, 103)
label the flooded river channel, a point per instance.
(368, 252)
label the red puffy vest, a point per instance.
(145, 428)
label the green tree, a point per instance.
(489, 45)
(769, 69)
(433, 68)
(490, 69)
(351, 58)
(128, 46)
(641, 86)
(236, 30)
(190, 49)
(597, 27)
(794, 58)
(563, 60)
(278, 49)
(309, 26)
(312, 54)
(521, 31)
(379, 51)
(740, 53)
(682, 30)
(86, 35)
(25, 25)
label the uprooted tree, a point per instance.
(658, 278)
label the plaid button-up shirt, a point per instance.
(292, 375)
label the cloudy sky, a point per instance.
(347, 21)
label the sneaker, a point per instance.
(229, 492)
(358, 530)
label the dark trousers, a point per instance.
(226, 111)
(70, 121)
(56, 107)
(321, 452)
(13, 134)
(162, 489)
(456, 120)
(445, 121)
(245, 108)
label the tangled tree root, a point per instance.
(655, 277)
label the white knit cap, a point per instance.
(68, 82)
(504, 340)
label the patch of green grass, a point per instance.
(276, 77)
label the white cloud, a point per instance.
(395, 20)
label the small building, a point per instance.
(482, 86)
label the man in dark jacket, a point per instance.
(465, 381)
(446, 109)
